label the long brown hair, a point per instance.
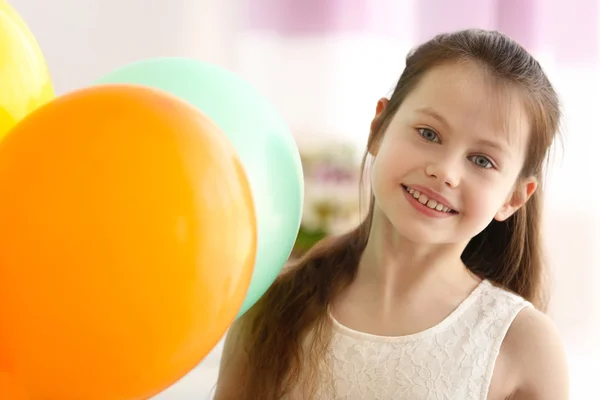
(276, 330)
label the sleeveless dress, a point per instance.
(453, 360)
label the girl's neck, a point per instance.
(393, 267)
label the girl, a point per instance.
(438, 293)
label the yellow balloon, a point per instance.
(25, 81)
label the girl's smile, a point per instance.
(425, 202)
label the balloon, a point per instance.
(261, 138)
(24, 79)
(127, 242)
(10, 389)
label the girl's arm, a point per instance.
(537, 353)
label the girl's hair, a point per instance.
(288, 330)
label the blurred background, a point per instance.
(324, 63)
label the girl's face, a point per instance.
(449, 161)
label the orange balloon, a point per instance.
(10, 389)
(127, 242)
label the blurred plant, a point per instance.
(331, 202)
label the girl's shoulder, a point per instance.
(533, 348)
(495, 304)
(494, 290)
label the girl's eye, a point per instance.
(429, 135)
(481, 161)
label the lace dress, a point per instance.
(452, 360)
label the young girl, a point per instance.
(438, 293)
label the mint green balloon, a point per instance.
(260, 136)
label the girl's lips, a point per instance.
(433, 195)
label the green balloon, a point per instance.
(262, 139)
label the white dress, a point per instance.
(453, 360)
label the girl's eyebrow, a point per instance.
(493, 144)
(434, 114)
(482, 142)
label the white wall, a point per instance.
(84, 39)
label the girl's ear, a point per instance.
(376, 124)
(523, 191)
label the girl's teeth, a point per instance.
(421, 198)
